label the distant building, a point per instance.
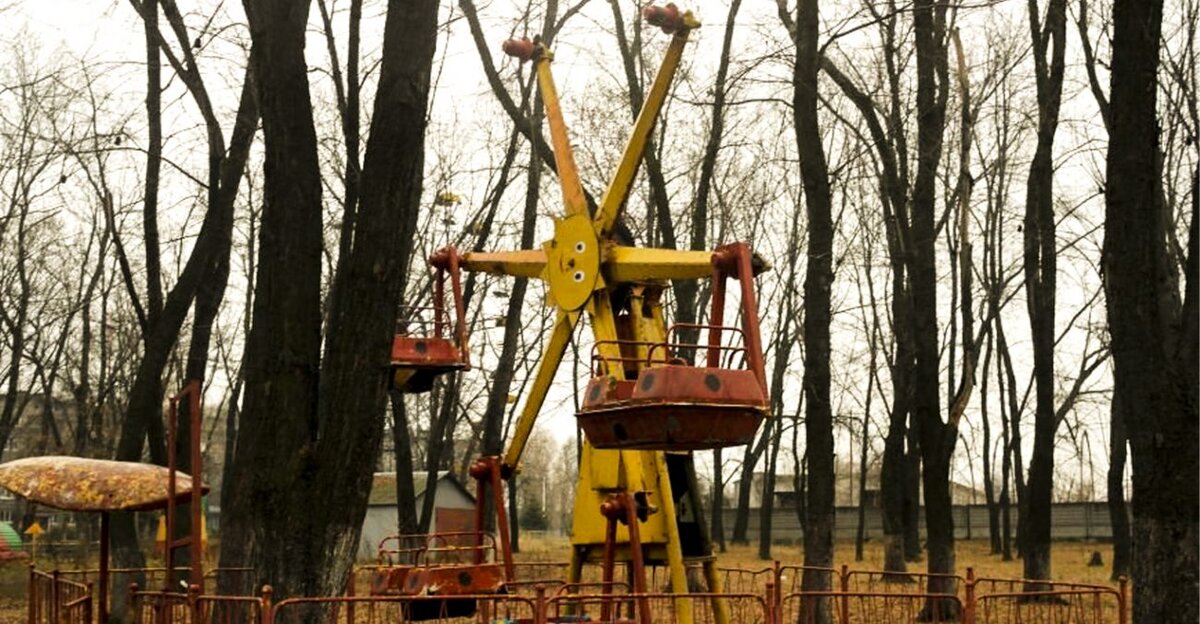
(453, 508)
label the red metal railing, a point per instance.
(157, 577)
(662, 352)
(810, 607)
(426, 319)
(770, 595)
(193, 607)
(663, 607)
(53, 599)
(392, 609)
(445, 547)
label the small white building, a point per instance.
(453, 509)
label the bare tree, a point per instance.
(1154, 341)
(1048, 35)
(313, 424)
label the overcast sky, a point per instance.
(463, 113)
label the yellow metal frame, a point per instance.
(583, 268)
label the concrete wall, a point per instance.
(1081, 521)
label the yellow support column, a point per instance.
(683, 605)
(568, 174)
(712, 577)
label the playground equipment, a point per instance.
(455, 567)
(97, 485)
(646, 406)
(435, 348)
(663, 402)
(79, 484)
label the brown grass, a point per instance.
(1070, 558)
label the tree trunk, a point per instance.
(1014, 428)
(818, 283)
(1005, 468)
(900, 473)
(937, 438)
(717, 529)
(211, 291)
(911, 490)
(989, 481)
(1117, 512)
(741, 517)
(860, 534)
(892, 490)
(313, 429)
(1154, 342)
(1040, 284)
(441, 430)
(407, 520)
(765, 513)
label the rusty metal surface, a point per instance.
(670, 426)
(674, 408)
(389, 580)
(426, 351)
(440, 347)
(80, 484)
(418, 361)
(455, 580)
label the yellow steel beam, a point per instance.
(618, 188)
(523, 263)
(560, 337)
(712, 576)
(675, 564)
(620, 264)
(604, 332)
(568, 174)
(640, 264)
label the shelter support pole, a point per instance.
(102, 602)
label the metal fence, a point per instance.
(54, 599)
(769, 595)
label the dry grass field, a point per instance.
(1070, 558)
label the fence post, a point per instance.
(31, 595)
(1123, 599)
(87, 604)
(193, 603)
(969, 597)
(844, 600)
(540, 609)
(54, 597)
(268, 610)
(133, 605)
(772, 614)
(350, 590)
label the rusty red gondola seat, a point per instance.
(673, 407)
(418, 360)
(441, 347)
(644, 396)
(444, 569)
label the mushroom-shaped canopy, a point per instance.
(80, 484)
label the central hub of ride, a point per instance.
(572, 262)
